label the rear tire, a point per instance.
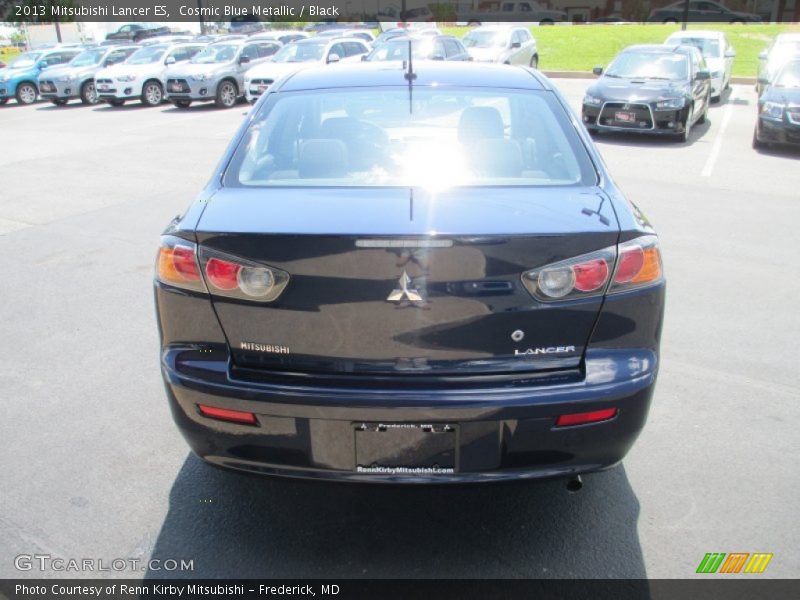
(152, 93)
(59, 101)
(116, 102)
(183, 103)
(88, 93)
(3, 101)
(26, 93)
(670, 21)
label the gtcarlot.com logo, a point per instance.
(47, 562)
(734, 562)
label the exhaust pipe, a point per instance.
(574, 484)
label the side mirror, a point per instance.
(244, 59)
(42, 64)
(334, 58)
(762, 55)
(516, 45)
(170, 60)
(598, 71)
(730, 53)
(702, 76)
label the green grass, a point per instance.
(582, 47)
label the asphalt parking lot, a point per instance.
(94, 468)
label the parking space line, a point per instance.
(717, 146)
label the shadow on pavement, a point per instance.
(241, 526)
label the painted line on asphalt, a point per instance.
(717, 146)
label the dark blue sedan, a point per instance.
(405, 276)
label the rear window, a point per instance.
(435, 138)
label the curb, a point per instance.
(588, 75)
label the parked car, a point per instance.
(502, 44)
(76, 79)
(246, 25)
(361, 34)
(301, 55)
(377, 290)
(443, 47)
(513, 10)
(136, 32)
(652, 89)
(284, 36)
(783, 48)
(779, 109)
(701, 11)
(143, 76)
(217, 73)
(717, 52)
(20, 78)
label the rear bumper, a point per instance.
(503, 432)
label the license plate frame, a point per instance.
(406, 448)
(624, 116)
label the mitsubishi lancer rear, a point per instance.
(411, 273)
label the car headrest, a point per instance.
(322, 159)
(498, 158)
(480, 123)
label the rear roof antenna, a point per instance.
(410, 75)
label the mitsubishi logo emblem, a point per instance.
(404, 291)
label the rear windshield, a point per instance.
(147, 56)
(436, 138)
(709, 47)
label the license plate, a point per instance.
(625, 117)
(175, 87)
(103, 86)
(261, 88)
(405, 449)
(47, 88)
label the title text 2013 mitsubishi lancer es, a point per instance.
(410, 275)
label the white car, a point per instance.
(502, 44)
(785, 47)
(284, 36)
(293, 57)
(143, 76)
(717, 51)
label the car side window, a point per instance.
(117, 56)
(452, 48)
(250, 51)
(267, 49)
(338, 50)
(508, 7)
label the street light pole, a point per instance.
(685, 14)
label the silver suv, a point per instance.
(217, 73)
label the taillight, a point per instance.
(580, 277)
(584, 418)
(639, 264)
(176, 264)
(636, 263)
(226, 414)
(236, 277)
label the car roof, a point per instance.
(697, 33)
(386, 74)
(660, 48)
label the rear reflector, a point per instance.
(594, 416)
(224, 414)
